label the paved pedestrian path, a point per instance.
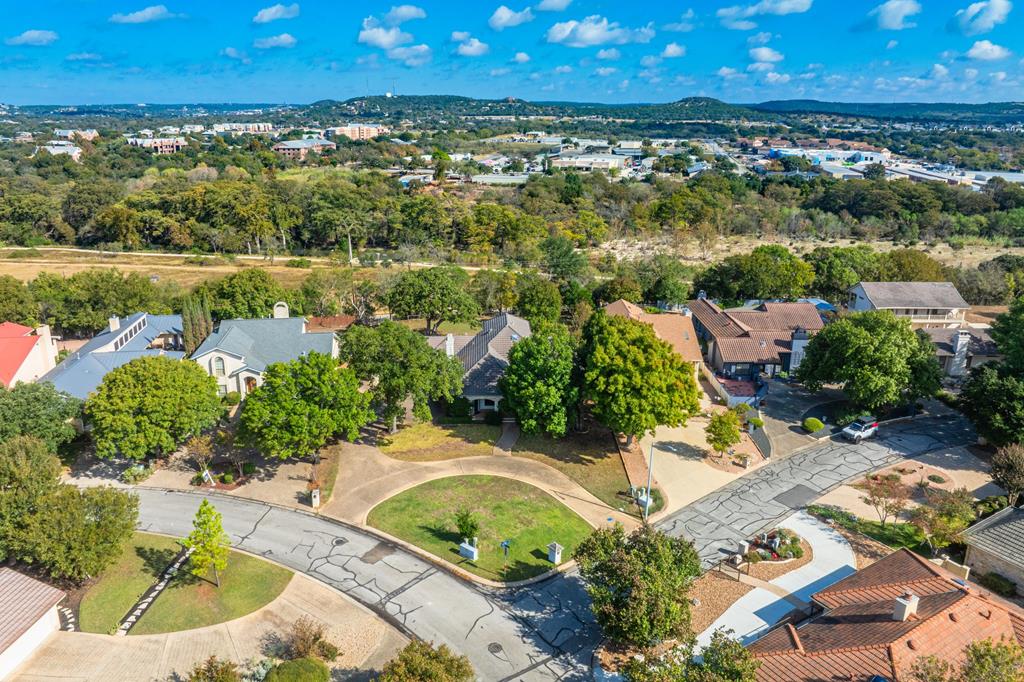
(367, 477)
(508, 438)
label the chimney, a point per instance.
(114, 323)
(449, 345)
(280, 310)
(49, 347)
(905, 607)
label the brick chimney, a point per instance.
(905, 607)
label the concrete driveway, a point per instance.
(783, 410)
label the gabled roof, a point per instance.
(767, 317)
(1001, 534)
(10, 330)
(265, 341)
(940, 295)
(485, 356)
(23, 601)
(980, 343)
(674, 328)
(14, 350)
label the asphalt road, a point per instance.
(541, 632)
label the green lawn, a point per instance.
(506, 509)
(428, 442)
(590, 459)
(895, 534)
(188, 602)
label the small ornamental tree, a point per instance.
(150, 406)
(886, 495)
(398, 364)
(983, 661)
(1008, 470)
(1008, 333)
(723, 431)
(303, 403)
(635, 380)
(539, 383)
(945, 515)
(638, 583)
(421, 661)
(209, 543)
(724, 659)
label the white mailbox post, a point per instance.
(555, 553)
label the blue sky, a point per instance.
(116, 51)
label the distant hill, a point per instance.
(992, 112)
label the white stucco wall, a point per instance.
(37, 363)
(26, 645)
(234, 376)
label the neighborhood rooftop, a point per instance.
(23, 601)
(1001, 534)
(939, 295)
(674, 328)
(263, 342)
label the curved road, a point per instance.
(541, 632)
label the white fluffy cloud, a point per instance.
(987, 51)
(650, 60)
(276, 12)
(982, 17)
(503, 71)
(609, 54)
(412, 55)
(938, 72)
(892, 15)
(459, 36)
(144, 16)
(765, 54)
(761, 66)
(403, 13)
(597, 30)
(504, 17)
(761, 38)
(235, 53)
(685, 23)
(35, 37)
(738, 17)
(472, 47)
(553, 5)
(521, 58)
(564, 68)
(729, 73)
(891, 44)
(606, 71)
(284, 40)
(777, 78)
(386, 38)
(83, 57)
(673, 50)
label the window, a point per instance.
(222, 390)
(218, 367)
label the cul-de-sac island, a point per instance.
(676, 345)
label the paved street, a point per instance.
(718, 522)
(543, 632)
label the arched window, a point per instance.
(218, 367)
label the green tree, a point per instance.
(623, 287)
(16, 302)
(945, 515)
(248, 294)
(992, 397)
(636, 381)
(399, 365)
(495, 290)
(1008, 470)
(723, 431)
(421, 661)
(209, 543)
(874, 171)
(467, 523)
(1008, 333)
(724, 659)
(539, 383)
(877, 358)
(77, 533)
(538, 300)
(837, 268)
(983, 661)
(303, 403)
(29, 473)
(150, 406)
(911, 265)
(767, 272)
(438, 295)
(38, 410)
(638, 583)
(562, 261)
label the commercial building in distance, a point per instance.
(357, 131)
(300, 149)
(159, 145)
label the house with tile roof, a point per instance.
(26, 354)
(28, 616)
(996, 545)
(484, 357)
(925, 304)
(743, 343)
(238, 352)
(674, 328)
(124, 339)
(875, 624)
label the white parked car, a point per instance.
(861, 428)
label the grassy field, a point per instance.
(188, 602)
(506, 509)
(427, 442)
(590, 459)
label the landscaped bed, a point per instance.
(188, 602)
(506, 510)
(895, 534)
(428, 442)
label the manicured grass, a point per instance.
(590, 459)
(895, 534)
(428, 442)
(506, 509)
(188, 602)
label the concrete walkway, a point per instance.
(507, 440)
(366, 642)
(367, 477)
(770, 602)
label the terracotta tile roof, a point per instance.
(715, 320)
(675, 328)
(755, 347)
(779, 317)
(23, 601)
(767, 324)
(857, 637)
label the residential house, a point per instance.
(300, 149)
(996, 545)
(743, 343)
(28, 616)
(238, 352)
(958, 350)
(25, 353)
(484, 357)
(124, 340)
(875, 624)
(59, 147)
(925, 304)
(674, 328)
(88, 134)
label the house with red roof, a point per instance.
(25, 353)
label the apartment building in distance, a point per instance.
(88, 134)
(243, 128)
(357, 131)
(159, 145)
(300, 149)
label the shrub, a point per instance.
(493, 418)
(306, 639)
(215, 670)
(990, 505)
(421, 662)
(232, 398)
(756, 422)
(136, 474)
(227, 477)
(1001, 585)
(794, 551)
(467, 523)
(813, 425)
(752, 556)
(935, 478)
(300, 670)
(248, 468)
(459, 408)
(299, 263)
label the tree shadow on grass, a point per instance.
(443, 534)
(156, 561)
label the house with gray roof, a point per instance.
(238, 352)
(484, 357)
(996, 545)
(124, 340)
(925, 304)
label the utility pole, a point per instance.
(650, 472)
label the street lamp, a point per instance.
(650, 471)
